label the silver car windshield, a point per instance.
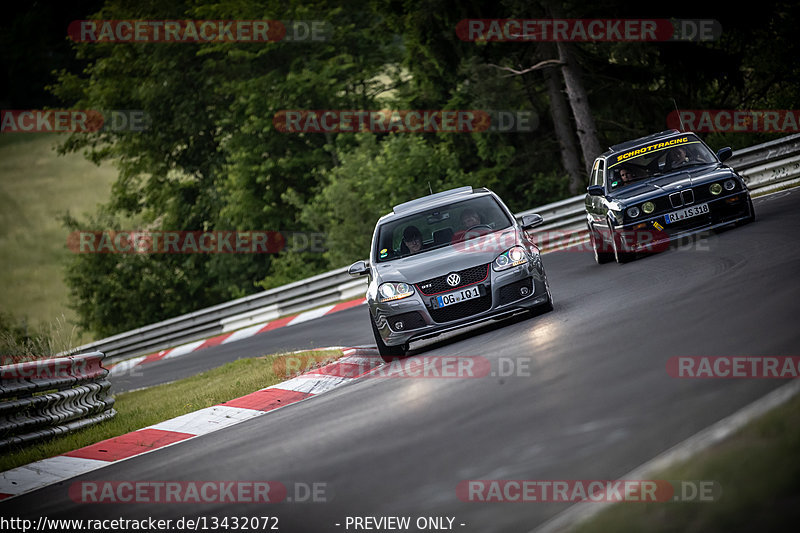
(655, 159)
(440, 227)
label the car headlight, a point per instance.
(729, 185)
(715, 189)
(633, 212)
(394, 291)
(648, 207)
(510, 258)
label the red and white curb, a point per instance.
(354, 363)
(233, 336)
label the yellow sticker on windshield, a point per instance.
(652, 147)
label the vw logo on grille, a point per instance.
(453, 280)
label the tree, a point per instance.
(448, 73)
(374, 176)
(211, 158)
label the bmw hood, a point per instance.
(669, 183)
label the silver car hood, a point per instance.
(442, 261)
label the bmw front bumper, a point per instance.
(723, 211)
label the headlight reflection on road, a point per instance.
(543, 336)
(418, 393)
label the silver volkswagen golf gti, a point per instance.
(449, 260)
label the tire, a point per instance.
(547, 306)
(599, 256)
(388, 353)
(620, 256)
(752, 217)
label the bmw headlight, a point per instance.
(729, 185)
(633, 212)
(715, 189)
(394, 291)
(648, 207)
(510, 258)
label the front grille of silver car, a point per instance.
(468, 276)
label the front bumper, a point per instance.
(646, 235)
(503, 294)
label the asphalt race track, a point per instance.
(345, 328)
(594, 401)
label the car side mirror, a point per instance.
(531, 221)
(724, 154)
(595, 190)
(359, 268)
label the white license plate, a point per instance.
(456, 297)
(689, 212)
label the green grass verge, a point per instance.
(785, 187)
(758, 470)
(36, 187)
(142, 408)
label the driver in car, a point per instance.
(683, 156)
(469, 219)
(676, 157)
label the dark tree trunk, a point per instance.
(561, 123)
(584, 121)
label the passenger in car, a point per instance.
(412, 240)
(624, 176)
(627, 174)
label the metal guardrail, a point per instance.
(309, 293)
(762, 166)
(51, 397)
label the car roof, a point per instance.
(439, 198)
(643, 140)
